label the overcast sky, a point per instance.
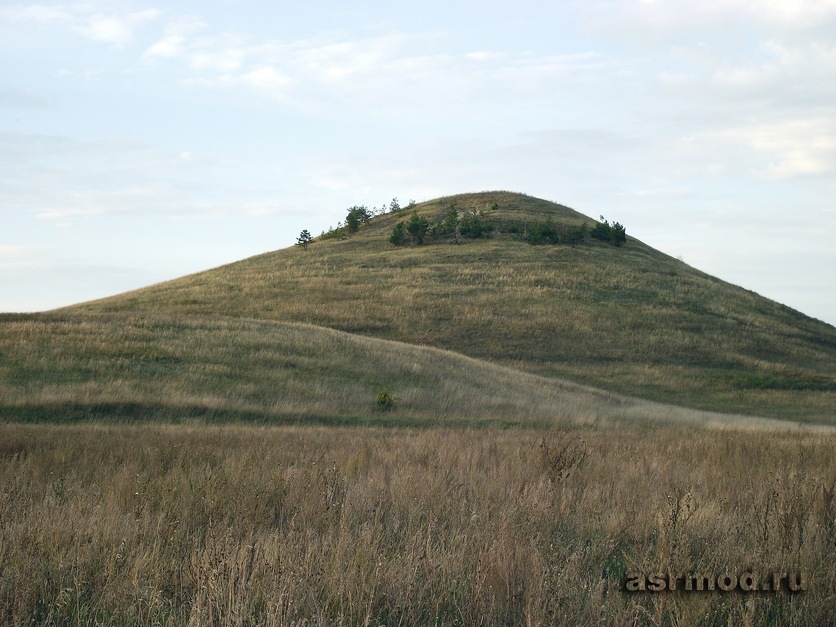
(141, 141)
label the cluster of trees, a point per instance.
(413, 231)
(358, 215)
(547, 232)
(453, 226)
(614, 233)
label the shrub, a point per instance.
(385, 399)
(417, 227)
(399, 235)
(448, 226)
(475, 225)
(543, 232)
(575, 234)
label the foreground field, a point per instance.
(172, 525)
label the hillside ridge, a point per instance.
(629, 319)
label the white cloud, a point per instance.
(390, 73)
(84, 18)
(267, 79)
(36, 13)
(114, 28)
(670, 18)
(176, 39)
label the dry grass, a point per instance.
(69, 367)
(630, 320)
(175, 525)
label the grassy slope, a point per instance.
(632, 319)
(133, 367)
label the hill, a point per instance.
(132, 367)
(628, 319)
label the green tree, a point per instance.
(417, 227)
(619, 234)
(544, 232)
(475, 225)
(399, 235)
(449, 226)
(304, 239)
(356, 216)
(575, 234)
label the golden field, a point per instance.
(237, 525)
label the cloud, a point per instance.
(37, 13)
(390, 73)
(670, 20)
(266, 79)
(116, 28)
(175, 38)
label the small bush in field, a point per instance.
(385, 399)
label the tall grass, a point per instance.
(175, 525)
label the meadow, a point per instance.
(243, 525)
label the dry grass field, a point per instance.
(66, 367)
(236, 525)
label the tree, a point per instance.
(304, 239)
(417, 227)
(543, 232)
(357, 215)
(575, 234)
(474, 224)
(449, 226)
(398, 236)
(619, 234)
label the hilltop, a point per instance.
(627, 319)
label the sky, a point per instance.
(142, 141)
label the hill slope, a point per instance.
(135, 367)
(628, 319)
